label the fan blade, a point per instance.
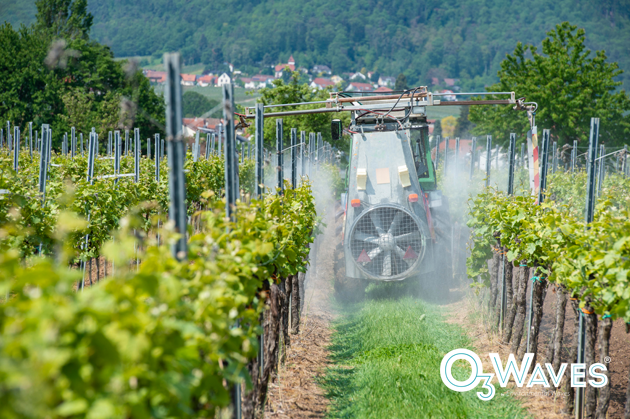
(387, 264)
(376, 220)
(365, 237)
(401, 253)
(409, 236)
(397, 219)
(374, 253)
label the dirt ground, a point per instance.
(550, 405)
(295, 392)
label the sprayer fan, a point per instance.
(386, 243)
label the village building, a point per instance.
(223, 79)
(336, 79)
(188, 79)
(359, 87)
(157, 77)
(321, 83)
(357, 77)
(321, 69)
(383, 89)
(207, 80)
(386, 81)
(280, 67)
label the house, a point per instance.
(207, 80)
(248, 83)
(190, 126)
(386, 81)
(448, 95)
(188, 79)
(359, 87)
(383, 89)
(155, 76)
(450, 82)
(223, 79)
(262, 80)
(321, 69)
(357, 77)
(280, 67)
(336, 79)
(370, 74)
(321, 83)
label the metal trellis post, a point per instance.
(589, 212)
(177, 180)
(231, 191)
(302, 159)
(259, 145)
(488, 158)
(279, 168)
(293, 158)
(456, 155)
(473, 151)
(30, 139)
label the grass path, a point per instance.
(386, 353)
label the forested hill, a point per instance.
(421, 38)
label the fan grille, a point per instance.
(386, 243)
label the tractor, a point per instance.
(395, 223)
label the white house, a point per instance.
(386, 81)
(321, 83)
(223, 79)
(357, 77)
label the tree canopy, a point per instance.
(294, 92)
(195, 104)
(51, 72)
(422, 39)
(570, 85)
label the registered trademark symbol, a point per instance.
(607, 359)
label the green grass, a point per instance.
(386, 355)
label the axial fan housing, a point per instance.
(386, 243)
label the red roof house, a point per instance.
(383, 89)
(188, 79)
(359, 87)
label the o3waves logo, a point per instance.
(578, 371)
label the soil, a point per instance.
(295, 392)
(547, 403)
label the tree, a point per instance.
(51, 75)
(570, 86)
(437, 128)
(294, 92)
(449, 124)
(401, 82)
(64, 18)
(195, 104)
(464, 126)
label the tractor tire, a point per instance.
(346, 289)
(442, 278)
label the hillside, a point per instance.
(423, 39)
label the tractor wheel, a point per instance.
(346, 289)
(442, 278)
